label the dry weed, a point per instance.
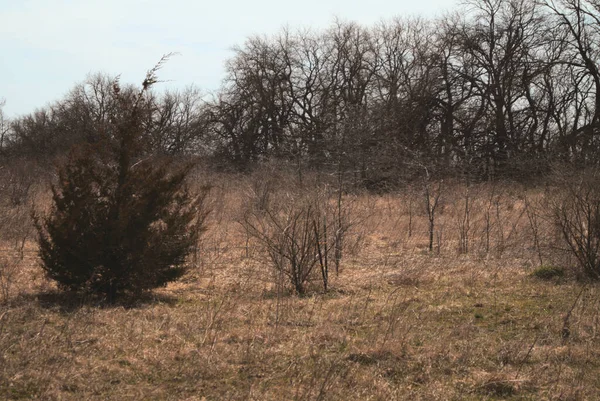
(398, 323)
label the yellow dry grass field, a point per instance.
(467, 320)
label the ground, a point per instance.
(399, 322)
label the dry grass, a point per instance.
(399, 323)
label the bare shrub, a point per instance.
(575, 208)
(432, 200)
(18, 189)
(262, 186)
(464, 221)
(16, 184)
(533, 216)
(300, 233)
(8, 270)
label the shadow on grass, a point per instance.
(67, 302)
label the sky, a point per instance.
(48, 46)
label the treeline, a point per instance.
(501, 88)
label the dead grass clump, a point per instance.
(372, 358)
(501, 385)
(546, 272)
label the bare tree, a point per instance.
(581, 20)
(177, 123)
(4, 126)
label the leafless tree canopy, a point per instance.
(500, 88)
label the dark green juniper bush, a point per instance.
(121, 221)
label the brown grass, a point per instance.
(400, 323)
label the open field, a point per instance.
(465, 321)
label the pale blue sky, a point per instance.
(50, 45)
